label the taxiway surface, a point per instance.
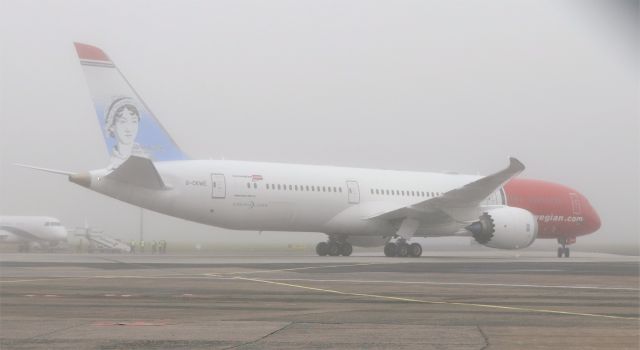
(447, 300)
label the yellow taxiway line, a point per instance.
(386, 297)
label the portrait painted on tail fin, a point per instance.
(122, 123)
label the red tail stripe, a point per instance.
(88, 52)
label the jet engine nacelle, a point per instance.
(505, 228)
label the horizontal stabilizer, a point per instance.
(138, 171)
(53, 171)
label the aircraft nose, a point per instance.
(62, 233)
(592, 219)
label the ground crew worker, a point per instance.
(154, 247)
(132, 245)
(141, 246)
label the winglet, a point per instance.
(516, 165)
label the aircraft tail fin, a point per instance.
(128, 125)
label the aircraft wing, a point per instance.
(458, 205)
(20, 233)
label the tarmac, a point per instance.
(445, 300)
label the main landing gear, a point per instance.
(403, 249)
(24, 247)
(563, 250)
(334, 248)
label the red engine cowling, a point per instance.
(505, 228)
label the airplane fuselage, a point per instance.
(334, 200)
(31, 229)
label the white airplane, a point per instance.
(354, 207)
(27, 231)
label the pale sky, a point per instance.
(409, 85)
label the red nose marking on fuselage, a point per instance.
(561, 211)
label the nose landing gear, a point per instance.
(402, 249)
(563, 250)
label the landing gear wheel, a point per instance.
(346, 249)
(390, 249)
(322, 248)
(566, 252)
(415, 250)
(403, 250)
(334, 249)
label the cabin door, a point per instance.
(218, 186)
(353, 191)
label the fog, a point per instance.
(409, 85)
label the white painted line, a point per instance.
(295, 269)
(487, 306)
(225, 276)
(456, 284)
(43, 279)
(198, 276)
